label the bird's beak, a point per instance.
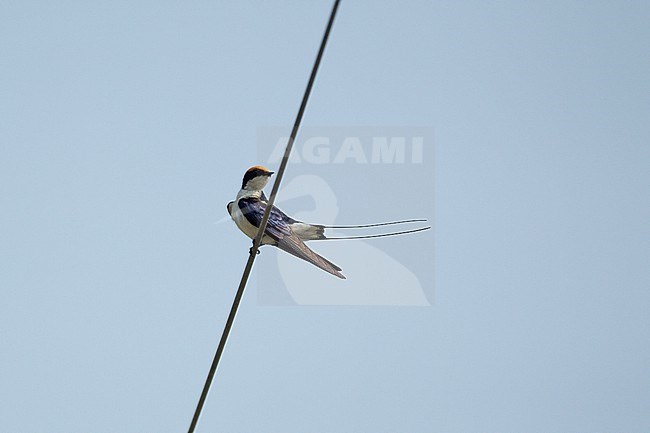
(270, 173)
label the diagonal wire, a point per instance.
(265, 219)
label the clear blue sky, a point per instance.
(125, 128)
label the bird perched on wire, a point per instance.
(285, 232)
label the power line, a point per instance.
(265, 219)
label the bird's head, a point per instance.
(256, 178)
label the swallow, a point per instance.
(287, 233)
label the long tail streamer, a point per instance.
(383, 235)
(364, 226)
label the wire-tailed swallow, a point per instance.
(285, 232)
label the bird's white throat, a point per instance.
(257, 183)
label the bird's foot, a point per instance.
(251, 251)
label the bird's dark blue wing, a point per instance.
(278, 225)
